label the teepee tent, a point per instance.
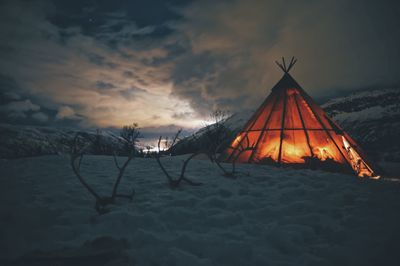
(289, 128)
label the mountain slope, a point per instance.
(23, 141)
(371, 117)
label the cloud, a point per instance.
(100, 60)
(166, 130)
(16, 115)
(20, 106)
(104, 85)
(40, 117)
(128, 74)
(132, 93)
(8, 89)
(65, 112)
(11, 95)
(159, 68)
(83, 70)
(234, 44)
(183, 115)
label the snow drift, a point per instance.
(268, 216)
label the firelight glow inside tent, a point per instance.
(289, 128)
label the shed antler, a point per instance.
(175, 182)
(76, 158)
(242, 147)
(75, 162)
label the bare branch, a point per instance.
(132, 133)
(129, 135)
(176, 137)
(120, 174)
(174, 182)
(76, 167)
(158, 144)
(243, 147)
(163, 169)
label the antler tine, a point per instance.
(158, 144)
(73, 145)
(116, 161)
(80, 161)
(176, 137)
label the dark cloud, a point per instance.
(132, 93)
(183, 115)
(128, 74)
(10, 95)
(40, 117)
(104, 85)
(20, 106)
(104, 63)
(8, 89)
(165, 131)
(340, 44)
(100, 60)
(90, 15)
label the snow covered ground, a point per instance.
(267, 216)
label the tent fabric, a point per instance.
(289, 128)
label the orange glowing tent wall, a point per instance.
(289, 128)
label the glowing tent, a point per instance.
(289, 128)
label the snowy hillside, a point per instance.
(267, 216)
(371, 117)
(232, 125)
(23, 141)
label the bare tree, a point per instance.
(217, 135)
(217, 138)
(129, 136)
(175, 181)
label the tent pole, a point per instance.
(282, 126)
(304, 126)
(327, 132)
(248, 125)
(284, 64)
(263, 129)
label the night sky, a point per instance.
(168, 64)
